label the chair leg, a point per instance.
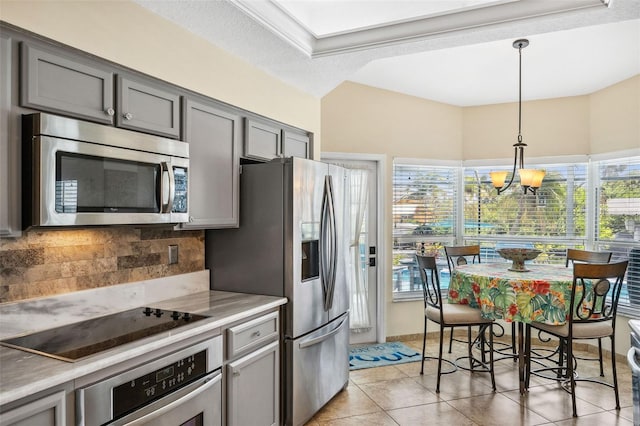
(424, 344)
(572, 379)
(561, 350)
(613, 368)
(513, 341)
(469, 347)
(600, 357)
(451, 339)
(440, 358)
(527, 355)
(493, 377)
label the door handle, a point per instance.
(319, 339)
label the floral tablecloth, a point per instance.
(540, 295)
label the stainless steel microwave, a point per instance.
(77, 173)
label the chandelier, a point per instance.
(530, 179)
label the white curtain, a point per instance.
(359, 189)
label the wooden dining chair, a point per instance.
(451, 316)
(584, 256)
(592, 315)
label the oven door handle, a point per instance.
(631, 360)
(204, 386)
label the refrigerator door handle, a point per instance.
(324, 245)
(333, 245)
(319, 339)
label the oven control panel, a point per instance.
(141, 390)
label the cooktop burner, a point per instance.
(79, 340)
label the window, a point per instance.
(424, 219)
(551, 220)
(617, 226)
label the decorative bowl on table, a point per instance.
(518, 256)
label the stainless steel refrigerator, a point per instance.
(292, 242)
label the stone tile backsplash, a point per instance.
(48, 262)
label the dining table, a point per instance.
(541, 294)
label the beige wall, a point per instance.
(125, 33)
(549, 127)
(615, 117)
(359, 118)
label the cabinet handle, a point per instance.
(236, 373)
(256, 333)
(110, 112)
(128, 116)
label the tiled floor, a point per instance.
(399, 395)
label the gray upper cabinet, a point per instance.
(295, 145)
(261, 140)
(266, 141)
(9, 145)
(214, 136)
(147, 108)
(54, 81)
(58, 84)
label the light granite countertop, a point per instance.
(23, 373)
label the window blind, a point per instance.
(424, 219)
(617, 227)
(556, 211)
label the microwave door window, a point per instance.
(86, 183)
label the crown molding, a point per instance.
(277, 20)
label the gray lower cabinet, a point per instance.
(252, 389)
(147, 108)
(214, 136)
(48, 410)
(295, 145)
(64, 85)
(252, 372)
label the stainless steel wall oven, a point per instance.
(183, 388)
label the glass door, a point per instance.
(363, 249)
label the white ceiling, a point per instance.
(456, 52)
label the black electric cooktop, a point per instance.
(73, 342)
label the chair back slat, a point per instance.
(584, 256)
(596, 291)
(430, 280)
(461, 255)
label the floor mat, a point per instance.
(380, 354)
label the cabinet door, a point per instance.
(213, 135)
(47, 411)
(66, 86)
(147, 109)
(253, 388)
(295, 145)
(261, 141)
(9, 146)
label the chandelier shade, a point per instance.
(530, 179)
